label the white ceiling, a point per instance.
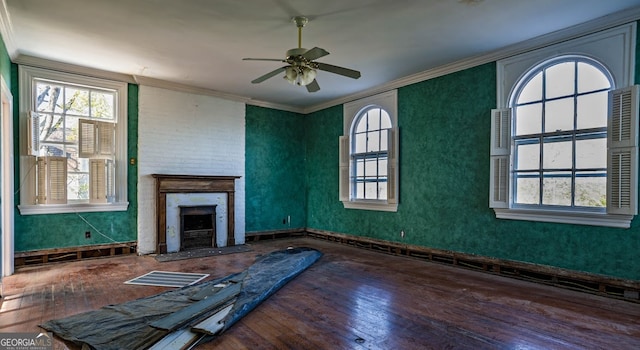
(201, 43)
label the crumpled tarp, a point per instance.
(126, 325)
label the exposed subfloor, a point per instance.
(350, 299)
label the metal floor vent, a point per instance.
(168, 279)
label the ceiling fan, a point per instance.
(301, 68)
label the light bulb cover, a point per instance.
(290, 74)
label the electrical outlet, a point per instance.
(87, 234)
(402, 234)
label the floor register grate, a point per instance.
(168, 279)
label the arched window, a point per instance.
(560, 134)
(369, 153)
(565, 147)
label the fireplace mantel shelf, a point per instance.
(170, 183)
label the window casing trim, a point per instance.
(565, 217)
(26, 75)
(352, 110)
(613, 49)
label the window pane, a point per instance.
(592, 110)
(591, 78)
(48, 97)
(591, 190)
(591, 153)
(558, 115)
(362, 124)
(360, 190)
(371, 167)
(51, 128)
(77, 101)
(102, 105)
(560, 80)
(529, 119)
(360, 167)
(373, 141)
(71, 130)
(528, 190)
(382, 190)
(557, 155)
(532, 91)
(374, 119)
(361, 143)
(386, 120)
(371, 190)
(78, 186)
(51, 150)
(83, 164)
(556, 189)
(528, 156)
(382, 167)
(73, 164)
(384, 140)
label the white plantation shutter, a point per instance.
(96, 139)
(87, 139)
(33, 134)
(622, 158)
(500, 155)
(345, 181)
(106, 138)
(392, 164)
(52, 180)
(101, 181)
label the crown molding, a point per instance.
(596, 25)
(32, 61)
(164, 84)
(6, 30)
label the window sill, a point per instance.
(71, 208)
(371, 205)
(576, 218)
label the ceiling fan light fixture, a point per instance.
(307, 76)
(290, 74)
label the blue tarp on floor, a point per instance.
(127, 325)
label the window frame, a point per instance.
(352, 111)
(615, 50)
(27, 185)
(543, 137)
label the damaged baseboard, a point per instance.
(611, 287)
(46, 256)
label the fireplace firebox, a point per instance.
(197, 227)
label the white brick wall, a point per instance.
(184, 133)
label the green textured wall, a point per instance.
(444, 176)
(33, 232)
(274, 170)
(5, 64)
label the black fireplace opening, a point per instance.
(197, 227)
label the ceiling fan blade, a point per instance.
(264, 59)
(339, 70)
(268, 75)
(313, 86)
(315, 53)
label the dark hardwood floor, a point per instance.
(350, 299)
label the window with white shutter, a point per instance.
(564, 144)
(369, 153)
(571, 155)
(82, 120)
